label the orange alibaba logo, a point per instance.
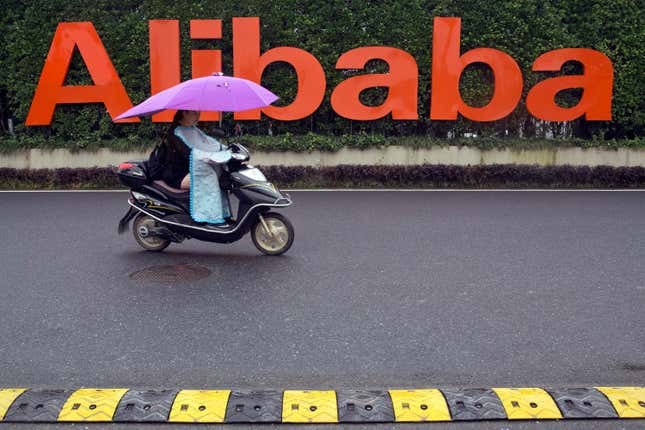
(402, 79)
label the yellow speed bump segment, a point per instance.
(199, 406)
(629, 402)
(528, 403)
(309, 407)
(7, 396)
(91, 404)
(419, 405)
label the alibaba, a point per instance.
(401, 80)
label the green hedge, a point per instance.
(327, 28)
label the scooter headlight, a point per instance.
(138, 196)
(253, 174)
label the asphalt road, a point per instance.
(380, 290)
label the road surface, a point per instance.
(380, 290)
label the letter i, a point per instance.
(164, 59)
(206, 61)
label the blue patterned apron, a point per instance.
(207, 202)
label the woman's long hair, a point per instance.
(178, 116)
(175, 122)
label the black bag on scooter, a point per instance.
(157, 162)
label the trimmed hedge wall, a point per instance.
(425, 176)
(524, 29)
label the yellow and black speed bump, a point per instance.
(629, 402)
(309, 406)
(7, 398)
(199, 406)
(528, 403)
(419, 405)
(91, 405)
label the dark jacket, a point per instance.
(177, 162)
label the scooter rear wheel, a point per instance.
(277, 243)
(141, 230)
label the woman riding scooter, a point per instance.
(183, 135)
(162, 214)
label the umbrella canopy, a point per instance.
(217, 93)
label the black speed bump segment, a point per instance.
(37, 406)
(364, 406)
(582, 403)
(254, 407)
(145, 406)
(474, 404)
(342, 406)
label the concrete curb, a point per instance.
(390, 155)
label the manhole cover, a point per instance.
(171, 273)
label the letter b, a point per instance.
(447, 67)
(249, 64)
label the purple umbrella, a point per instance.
(217, 93)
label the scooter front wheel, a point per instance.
(278, 239)
(142, 229)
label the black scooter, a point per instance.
(161, 213)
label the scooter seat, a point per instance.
(171, 191)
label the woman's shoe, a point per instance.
(218, 226)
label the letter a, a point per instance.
(597, 82)
(402, 82)
(107, 88)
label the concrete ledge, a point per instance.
(390, 155)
